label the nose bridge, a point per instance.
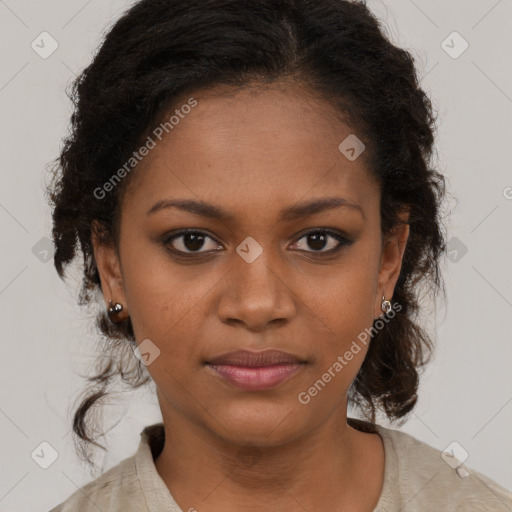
(256, 293)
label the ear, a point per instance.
(391, 261)
(109, 268)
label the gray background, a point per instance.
(466, 393)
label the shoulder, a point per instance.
(133, 484)
(117, 486)
(428, 479)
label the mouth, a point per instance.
(255, 371)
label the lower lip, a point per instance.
(256, 378)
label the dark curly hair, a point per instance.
(337, 49)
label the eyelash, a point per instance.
(343, 241)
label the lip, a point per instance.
(255, 371)
(251, 358)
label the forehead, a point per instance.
(265, 146)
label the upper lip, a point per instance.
(267, 357)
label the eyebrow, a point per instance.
(287, 214)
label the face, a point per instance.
(257, 269)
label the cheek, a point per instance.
(166, 308)
(344, 309)
(166, 304)
(345, 299)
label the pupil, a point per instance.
(316, 241)
(193, 241)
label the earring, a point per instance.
(114, 308)
(385, 305)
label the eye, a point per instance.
(189, 242)
(318, 240)
(321, 241)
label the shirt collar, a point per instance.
(156, 493)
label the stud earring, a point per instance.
(114, 308)
(385, 305)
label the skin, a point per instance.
(254, 153)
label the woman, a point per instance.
(249, 184)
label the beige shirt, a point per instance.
(416, 479)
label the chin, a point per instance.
(263, 426)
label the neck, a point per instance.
(329, 465)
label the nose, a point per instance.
(257, 296)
